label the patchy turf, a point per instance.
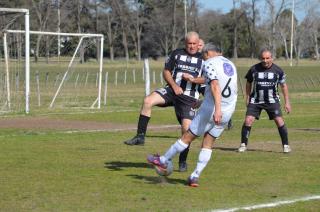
(45, 168)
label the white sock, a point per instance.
(204, 158)
(175, 148)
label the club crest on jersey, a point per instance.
(228, 70)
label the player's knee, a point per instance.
(148, 101)
(249, 120)
(279, 121)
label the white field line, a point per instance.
(270, 205)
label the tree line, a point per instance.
(152, 28)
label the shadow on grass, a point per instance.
(161, 136)
(158, 179)
(118, 165)
(248, 150)
(226, 149)
(309, 129)
(262, 150)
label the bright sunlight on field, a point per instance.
(75, 160)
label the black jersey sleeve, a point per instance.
(249, 75)
(170, 61)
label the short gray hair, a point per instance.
(191, 34)
(265, 50)
(211, 47)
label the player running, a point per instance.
(214, 113)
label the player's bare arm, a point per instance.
(248, 91)
(285, 92)
(190, 78)
(168, 78)
(216, 93)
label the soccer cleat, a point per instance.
(183, 167)
(136, 140)
(155, 160)
(242, 147)
(286, 149)
(193, 182)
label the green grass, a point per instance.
(96, 172)
(81, 95)
(52, 170)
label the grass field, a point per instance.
(55, 170)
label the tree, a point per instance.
(235, 31)
(43, 11)
(274, 15)
(283, 28)
(312, 21)
(252, 14)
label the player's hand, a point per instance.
(187, 77)
(217, 116)
(177, 90)
(287, 107)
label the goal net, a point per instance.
(62, 71)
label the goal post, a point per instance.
(61, 35)
(27, 50)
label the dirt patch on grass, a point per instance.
(45, 123)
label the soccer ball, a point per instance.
(167, 171)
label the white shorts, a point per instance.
(203, 122)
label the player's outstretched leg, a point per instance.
(141, 131)
(161, 161)
(155, 160)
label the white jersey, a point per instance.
(221, 69)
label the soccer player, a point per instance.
(201, 45)
(182, 73)
(201, 88)
(262, 94)
(214, 113)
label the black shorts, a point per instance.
(183, 105)
(273, 110)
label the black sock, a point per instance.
(183, 155)
(245, 132)
(283, 134)
(142, 124)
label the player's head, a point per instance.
(266, 58)
(192, 42)
(210, 50)
(201, 45)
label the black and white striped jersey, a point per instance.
(179, 62)
(265, 83)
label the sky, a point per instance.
(226, 5)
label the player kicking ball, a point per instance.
(214, 113)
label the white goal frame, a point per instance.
(27, 51)
(27, 33)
